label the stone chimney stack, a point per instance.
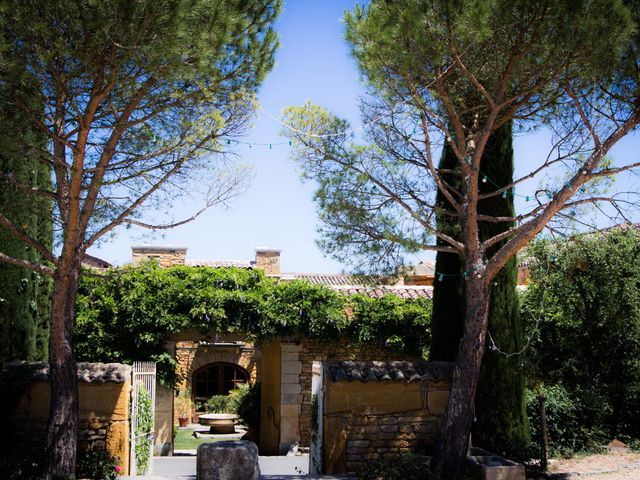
(268, 260)
(165, 255)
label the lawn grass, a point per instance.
(184, 440)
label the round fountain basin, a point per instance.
(221, 423)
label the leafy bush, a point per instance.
(586, 341)
(247, 399)
(96, 465)
(221, 404)
(568, 430)
(129, 313)
(398, 467)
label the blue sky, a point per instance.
(313, 63)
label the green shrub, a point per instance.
(221, 404)
(586, 339)
(398, 467)
(96, 465)
(247, 400)
(144, 430)
(569, 429)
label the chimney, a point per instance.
(166, 255)
(268, 260)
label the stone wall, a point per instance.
(268, 260)
(103, 415)
(339, 349)
(375, 437)
(368, 420)
(166, 255)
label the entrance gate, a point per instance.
(143, 403)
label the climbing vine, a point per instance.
(144, 412)
(129, 313)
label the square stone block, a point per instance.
(237, 460)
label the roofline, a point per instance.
(148, 246)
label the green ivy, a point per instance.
(145, 426)
(129, 313)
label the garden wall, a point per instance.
(373, 410)
(103, 423)
(339, 349)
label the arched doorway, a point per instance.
(217, 378)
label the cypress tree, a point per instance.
(501, 419)
(24, 295)
(448, 289)
(501, 422)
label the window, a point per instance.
(217, 379)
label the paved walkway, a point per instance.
(272, 468)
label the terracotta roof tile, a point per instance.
(393, 371)
(221, 263)
(409, 292)
(88, 372)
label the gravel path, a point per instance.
(615, 465)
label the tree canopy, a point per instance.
(453, 73)
(134, 100)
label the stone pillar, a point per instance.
(268, 260)
(290, 395)
(166, 255)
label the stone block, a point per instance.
(290, 388)
(359, 444)
(290, 378)
(237, 460)
(291, 367)
(290, 399)
(389, 428)
(291, 348)
(388, 421)
(437, 402)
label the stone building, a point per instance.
(284, 367)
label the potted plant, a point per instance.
(183, 407)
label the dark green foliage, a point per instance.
(569, 427)
(588, 337)
(129, 313)
(13, 384)
(248, 403)
(96, 465)
(144, 430)
(399, 467)
(502, 424)
(221, 404)
(448, 290)
(404, 466)
(24, 295)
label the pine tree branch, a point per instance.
(34, 267)
(27, 239)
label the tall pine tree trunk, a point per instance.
(62, 428)
(502, 424)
